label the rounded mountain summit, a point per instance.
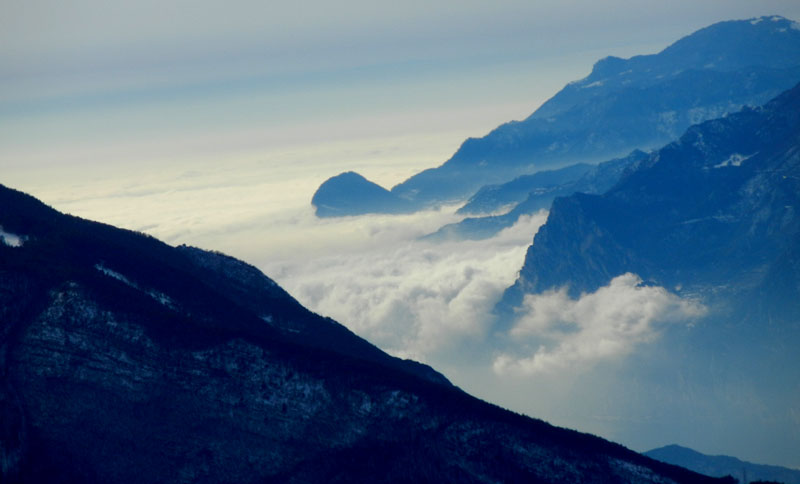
(351, 194)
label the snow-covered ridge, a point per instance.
(158, 296)
(11, 240)
(594, 84)
(735, 159)
(774, 18)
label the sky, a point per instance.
(212, 123)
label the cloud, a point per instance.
(555, 332)
(412, 298)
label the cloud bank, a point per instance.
(555, 332)
(412, 298)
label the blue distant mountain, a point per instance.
(723, 465)
(539, 190)
(713, 216)
(624, 104)
(493, 198)
(351, 194)
(720, 202)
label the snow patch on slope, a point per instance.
(11, 240)
(735, 159)
(158, 296)
(594, 84)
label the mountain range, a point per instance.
(731, 183)
(711, 218)
(124, 359)
(528, 194)
(624, 104)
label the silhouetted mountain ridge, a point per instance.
(126, 360)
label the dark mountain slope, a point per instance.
(123, 359)
(248, 287)
(718, 204)
(624, 104)
(210, 289)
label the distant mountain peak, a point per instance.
(623, 104)
(349, 193)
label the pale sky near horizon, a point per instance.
(212, 123)
(117, 84)
(127, 112)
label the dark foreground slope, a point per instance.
(642, 102)
(126, 360)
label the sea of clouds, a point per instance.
(434, 302)
(414, 299)
(554, 333)
(562, 359)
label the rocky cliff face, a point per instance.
(719, 204)
(123, 360)
(711, 218)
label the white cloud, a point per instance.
(555, 332)
(414, 299)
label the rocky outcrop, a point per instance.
(351, 194)
(720, 202)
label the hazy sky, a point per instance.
(213, 123)
(119, 83)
